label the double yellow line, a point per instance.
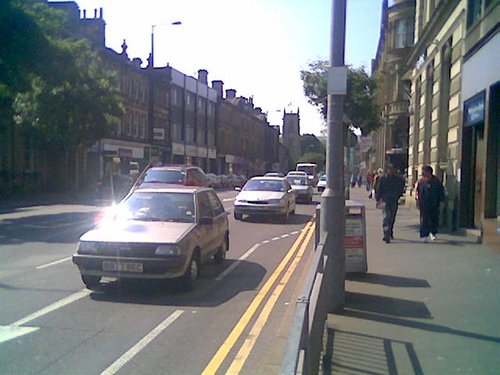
(237, 364)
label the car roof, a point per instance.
(268, 178)
(174, 167)
(170, 188)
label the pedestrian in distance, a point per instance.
(391, 187)
(429, 195)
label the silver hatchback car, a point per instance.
(265, 196)
(156, 233)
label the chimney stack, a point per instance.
(202, 76)
(218, 86)
(230, 93)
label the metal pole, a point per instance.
(152, 46)
(333, 198)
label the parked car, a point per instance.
(187, 175)
(321, 183)
(265, 196)
(156, 233)
(214, 181)
(303, 190)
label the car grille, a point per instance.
(126, 249)
(258, 202)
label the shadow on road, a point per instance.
(208, 291)
(53, 228)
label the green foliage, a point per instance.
(360, 101)
(68, 98)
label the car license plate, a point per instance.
(122, 266)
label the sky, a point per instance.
(257, 47)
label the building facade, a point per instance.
(389, 66)
(480, 104)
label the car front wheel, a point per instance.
(192, 272)
(91, 282)
(220, 255)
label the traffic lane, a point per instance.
(184, 300)
(85, 338)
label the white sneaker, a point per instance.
(424, 239)
(432, 237)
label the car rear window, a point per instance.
(165, 176)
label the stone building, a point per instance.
(389, 66)
(291, 137)
(246, 143)
(480, 103)
(452, 124)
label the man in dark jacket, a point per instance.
(390, 187)
(430, 193)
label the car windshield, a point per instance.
(264, 185)
(165, 176)
(297, 180)
(159, 206)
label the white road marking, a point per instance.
(284, 235)
(295, 232)
(132, 352)
(53, 263)
(275, 238)
(266, 241)
(56, 305)
(228, 199)
(11, 332)
(235, 264)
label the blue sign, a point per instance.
(474, 110)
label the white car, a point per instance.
(265, 196)
(321, 183)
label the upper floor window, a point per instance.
(403, 33)
(475, 10)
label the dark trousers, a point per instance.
(390, 210)
(429, 220)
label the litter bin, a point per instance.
(355, 238)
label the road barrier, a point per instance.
(305, 341)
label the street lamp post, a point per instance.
(153, 38)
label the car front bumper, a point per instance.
(260, 209)
(150, 268)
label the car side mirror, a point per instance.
(237, 188)
(206, 220)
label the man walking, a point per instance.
(429, 195)
(390, 187)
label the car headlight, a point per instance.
(167, 250)
(86, 247)
(240, 201)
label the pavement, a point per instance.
(422, 308)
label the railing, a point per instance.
(306, 334)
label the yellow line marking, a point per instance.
(252, 337)
(231, 339)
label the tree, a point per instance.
(70, 99)
(360, 101)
